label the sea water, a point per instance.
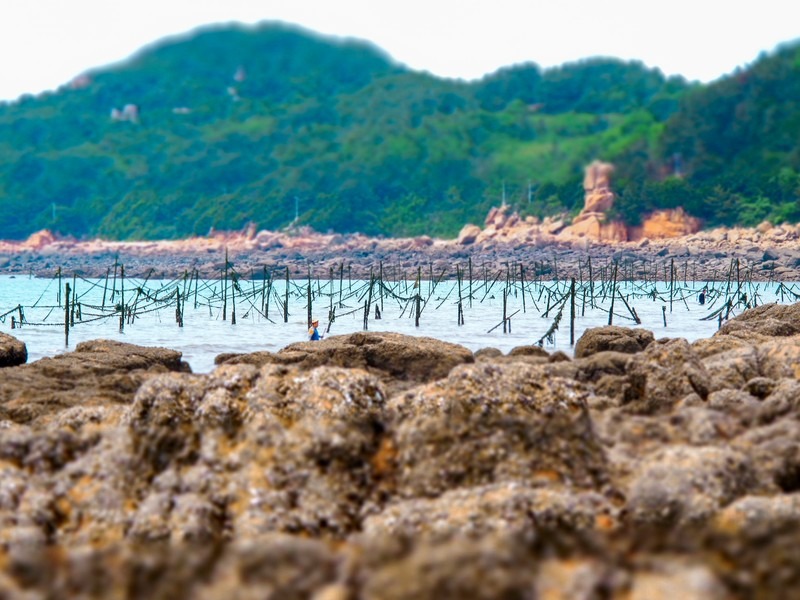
(205, 333)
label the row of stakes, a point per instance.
(737, 290)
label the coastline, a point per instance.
(765, 253)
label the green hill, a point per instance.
(238, 124)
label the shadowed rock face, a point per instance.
(12, 351)
(385, 466)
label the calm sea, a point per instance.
(205, 333)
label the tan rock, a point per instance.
(597, 185)
(594, 226)
(468, 235)
(40, 239)
(764, 227)
(664, 224)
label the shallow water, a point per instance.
(205, 334)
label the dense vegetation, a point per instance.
(253, 124)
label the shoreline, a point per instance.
(772, 254)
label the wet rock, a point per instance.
(13, 352)
(613, 338)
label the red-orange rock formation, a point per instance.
(665, 224)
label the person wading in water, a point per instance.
(313, 332)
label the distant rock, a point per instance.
(468, 235)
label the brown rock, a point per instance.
(98, 373)
(674, 578)
(500, 508)
(770, 320)
(400, 360)
(497, 566)
(686, 485)
(270, 566)
(756, 539)
(613, 338)
(531, 350)
(540, 431)
(13, 352)
(663, 374)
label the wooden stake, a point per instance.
(571, 313)
(613, 288)
(308, 298)
(286, 299)
(233, 300)
(225, 289)
(66, 314)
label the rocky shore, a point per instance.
(379, 466)
(549, 248)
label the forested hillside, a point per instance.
(235, 124)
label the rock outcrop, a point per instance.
(665, 224)
(387, 355)
(386, 466)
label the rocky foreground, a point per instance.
(387, 467)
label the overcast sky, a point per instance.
(45, 43)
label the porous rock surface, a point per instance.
(382, 466)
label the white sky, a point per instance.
(45, 43)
